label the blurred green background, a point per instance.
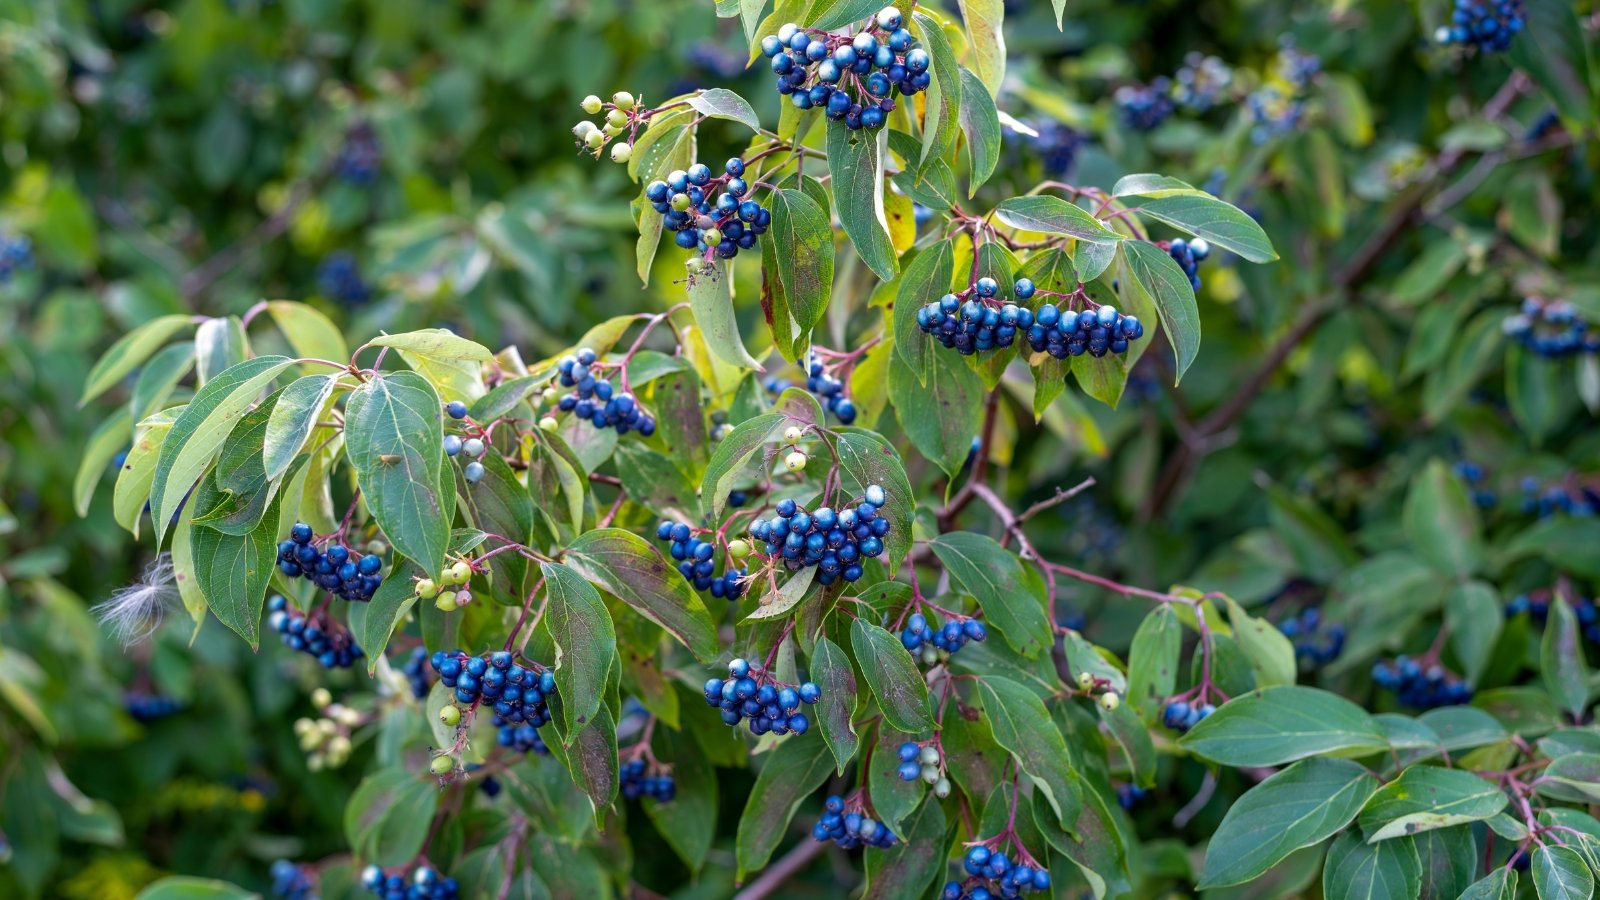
(407, 163)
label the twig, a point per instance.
(782, 870)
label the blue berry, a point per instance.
(291, 881)
(337, 571)
(851, 830)
(316, 635)
(1419, 687)
(1145, 106)
(1488, 25)
(456, 409)
(338, 278)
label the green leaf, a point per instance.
(993, 575)
(688, 823)
(1278, 725)
(1474, 615)
(1470, 359)
(1565, 542)
(218, 344)
(198, 432)
(867, 458)
(892, 799)
(453, 364)
(1021, 724)
(1441, 521)
(394, 437)
(499, 504)
(804, 267)
(792, 771)
(633, 571)
(387, 818)
(1428, 797)
(1501, 884)
(943, 417)
(133, 482)
(925, 280)
(1302, 805)
(908, 870)
(855, 162)
(980, 123)
(233, 572)
(942, 100)
(831, 14)
(310, 333)
(1173, 295)
(894, 678)
(711, 299)
(159, 378)
(585, 644)
(221, 145)
(180, 887)
(1318, 544)
(1561, 658)
(1551, 49)
(390, 603)
(831, 670)
(1153, 662)
(1356, 869)
(591, 754)
(1218, 221)
(235, 497)
(1559, 873)
(108, 439)
(986, 33)
(729, 459)
(1449, 858)
(1061, 10)
(1053, 215)
(1537, 392)
(293, 419)
(721, 103)
(1271, 654)
(775, 603)
(1574, 777)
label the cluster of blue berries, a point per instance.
(1181, 716)
(339, 279)
(636, 783)
(16, 252)
(1129, 795)
(1067, 332)
(1421, 688)
(697, 561)
(919, 635)
(520, 696)
(1477, 481)
(1536, 604)
(1548, 121)
(850, 830)
(1202, 82)
(330, 643)
(339, 571)
(726, 226)
(146, 707)
(1562, 496)
(1279, 107)
(994, 875)
(595, 401)
(1488, 25)
(1055, 145)
(977, 324)
(919, 761)
(853, 79)
(837, 543)
(1313, 645)
(830, 389)
(1188, 255)
(1145, 106)
(1551, 328)
(472, 448)
(424, 884)
(291, 881)
(768, 705)
(359, 156)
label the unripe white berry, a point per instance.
(941, 788)
(623, 100)
(1109, 701)
(549, 423)
(793, 433)
(303, 726)
(582, 129)
(594, 139)
(1085, 680)
(620, 152)
(320, 698)
(930, 654)
(426, 589)
(460, 572)
(930, 774)
(450, 716)
(739, 548)
(592, 105)
(929, 755)
(795, 461)
(314, 762)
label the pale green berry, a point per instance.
(1109, 701)
(594, 140)
(338, 750)
(592, 105)
(795, 461)
(739, 548)
(680, 202)
(315, 762)
(793, 432)
(616, 118)
(450, 716)
(549, 423)
(446, 602)
(460, 572)
(550, 395)
(930, 654)
(321, 699)
(930, 774)
(620, 152)
(929, 755)
(712, 236)
(612, 130)
(622, 99)
(1085, 680)
(442, 765)
(426, 589)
